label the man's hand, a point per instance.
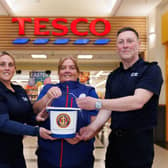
(86, 103)
(74, 140)
(87, 133)
(45, 134)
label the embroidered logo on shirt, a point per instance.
(25, 99)
(134, 74)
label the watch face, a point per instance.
(98, 105)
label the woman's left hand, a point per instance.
(74, 140)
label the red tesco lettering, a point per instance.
(58, 23)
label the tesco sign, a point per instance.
(40, 28)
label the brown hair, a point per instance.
(61, 61)
(128, 29)
(6, 53)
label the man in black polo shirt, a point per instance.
(132, 95)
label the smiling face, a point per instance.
(7, 68)
(128, 46)
(68, 71)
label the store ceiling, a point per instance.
(83, 8)
(77, 7)
(104, 60)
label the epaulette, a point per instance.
(151, 63)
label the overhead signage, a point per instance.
(40, 29)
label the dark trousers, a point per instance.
(16, 163)
(85, 164)
(130, 149)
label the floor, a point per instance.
(160, 161)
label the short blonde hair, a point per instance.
(6, 53)
(74, 60)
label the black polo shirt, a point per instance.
(121, 83)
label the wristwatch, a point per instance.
(98, 104)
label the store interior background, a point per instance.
(103, 61)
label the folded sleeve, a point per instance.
(152, 79)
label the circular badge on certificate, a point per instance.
(63, 120)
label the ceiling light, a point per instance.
(10, 3)
(110, 5)
(85, 56)
(39, 56)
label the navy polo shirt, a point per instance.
(121, 83)
(56, 152)
(15, 111)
